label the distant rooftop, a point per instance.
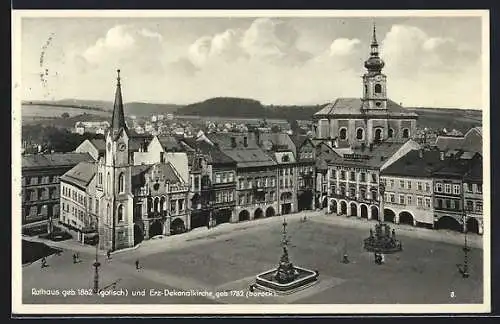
(54, 160)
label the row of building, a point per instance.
(361, 161)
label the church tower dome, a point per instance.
(374, 63)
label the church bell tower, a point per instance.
(374, 81)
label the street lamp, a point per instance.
(96, 264)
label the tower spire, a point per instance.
(374, 63)
(118, 119)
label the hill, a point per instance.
(227, 107)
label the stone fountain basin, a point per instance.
(304, 278)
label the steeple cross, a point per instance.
(118, 77)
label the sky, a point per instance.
(429, 62)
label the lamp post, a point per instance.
(381, 199)
(96, 264)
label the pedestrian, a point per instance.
(108, 254)
(77, 257)
(74, 258)
(345, 259)
(137, 264)
(44, 262)
(382, 258)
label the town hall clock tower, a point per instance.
(374, 81)
(117, 202)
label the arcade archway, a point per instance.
(354, 209)
(138, 234)
(447, 222)
(333, 206)
(389, 215)
(374, 213)
(155, 228)
(364, 211)
(258, 213)
(270, 212)
(177, 226)
(343, 208)
(244, 215)
(473, 225)
(406, 218)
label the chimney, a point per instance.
(441, 156)
(233, 142)
(371, 147)
(245, 141)
(257, 137)
(421, 153)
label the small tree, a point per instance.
(65, 115)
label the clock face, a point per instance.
(378, 78)
(121, 146)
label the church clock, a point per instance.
(121, 146)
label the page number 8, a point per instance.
(452, 294)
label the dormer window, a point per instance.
(378, 88)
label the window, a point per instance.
(352, 176)
(439, 187)
(427, 187)
(447, 188)
(452, 204)
(401, 184)
(240, 181)
(406, 133)
(378, 88)
(97, 206)
(108, 182)
(419, 186)
(393, 198)
(173, 206)
(469, 187)
(121, 183)
(231, 177)
(456, 189)
(359, 134)
(420, 201)
(401, 199)
(479, 206)
(362, 177)
(342, 175)
(343, 133)
(181, 204)
(100, 178)
(352, 192)
(408, 200)
(374, 195)
(217, 178)
(374, 178)
(408, 184)
(479, 189)
(120, 213)
(241, 199)
(362, 194)
(448, 204)
(439, 203)
(428, 202)
(391, 183)
(334, 173)
(390, 134)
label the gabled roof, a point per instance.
(358, 106)
(224, 141)
(54, 160)
(214, 155)
(416, 163)
(364, 157)
(138, 140)
(278, 140)
(445, 143)
(170, 144)
(249, 157)
(138, 173)
(284, 157)
(81, 174)
(99, 144)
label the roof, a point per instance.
(298, 140)
(224, 141)
(54, 160)
(138, 173)
(249, 157)
(445, 143)
(278, 141)
(81, 174)
(415, 165)
(475, 172)
(136, 140)
(364, 157)
(170, 144)
(358, 106)
(453, 167)
(214, 155)
(284, 157)
(99, 144)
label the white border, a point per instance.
(19, 308)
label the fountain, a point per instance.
(384, 241)
(286, 278)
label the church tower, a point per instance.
(117, 203)
(374, 81)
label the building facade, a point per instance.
(372, 118)
(306, 174)
(40, 188)
(473, 196)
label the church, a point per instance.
(354, 122)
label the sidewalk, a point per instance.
(451, 237)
